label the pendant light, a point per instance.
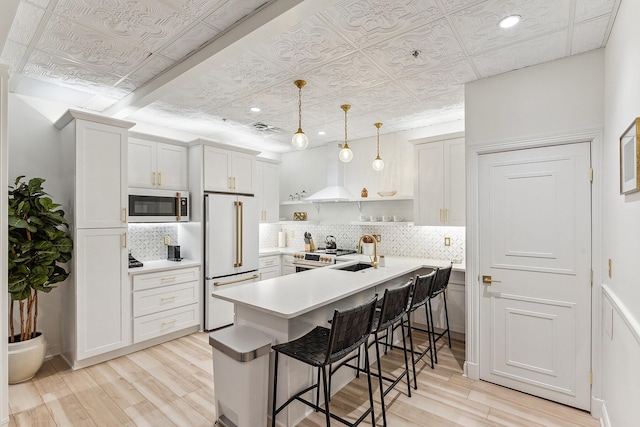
(345, 155)
(378, 164)
(299, 140)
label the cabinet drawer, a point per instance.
(155, 325)
(163, 298)
(270, 261)
(269, 273)
(164, 278)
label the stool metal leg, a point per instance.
(366, 361)
(275, 388)
(384, 414)
(406, 359)
(433, 330)
(326, 396)
(413, 356)
(446, 316)
(318, 388)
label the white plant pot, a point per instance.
(367, 249)
(26, 358)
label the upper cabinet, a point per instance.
(159, 165)
(229, 171)
(268, 191)
(439, 197)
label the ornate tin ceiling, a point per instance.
(197, 66)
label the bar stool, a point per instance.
(439, 287)
(320, 348)
(421, 292)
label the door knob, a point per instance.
(488, 280)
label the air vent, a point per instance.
(265, 129)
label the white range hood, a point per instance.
(335, 190)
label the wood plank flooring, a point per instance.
(172, 385)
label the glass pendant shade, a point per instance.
(299, 141)
(345, 155)
(378, 164)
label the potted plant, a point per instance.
(38, 244)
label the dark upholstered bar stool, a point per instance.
(439, 287)
(421, 291)
(320, 348)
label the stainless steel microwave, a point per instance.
(158, 205)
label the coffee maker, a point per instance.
(173, 253)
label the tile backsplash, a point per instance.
(396, 239)
(146, 241)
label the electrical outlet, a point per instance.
(292, 234)
(447, 241)
(378, 237)
(166, 240)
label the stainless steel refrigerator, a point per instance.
(231, 251)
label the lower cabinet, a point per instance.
(269, 267)
(165, 302)
(287, 265)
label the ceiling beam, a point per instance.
(276, 17)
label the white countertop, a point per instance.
(162, 265)
(295, 294)
(277, 251)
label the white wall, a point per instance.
(34, 150)
(548, 103)
(621, 350)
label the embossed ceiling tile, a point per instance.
(535, 51)
(12, 55)
(149, 69)
(366, 22)
(66, 73)
(195, 8)
(454, 5)
(205, 91)
(453, 99)
(307, 45)
(41, 3)
(250, 72)
(147, 23)
(65, 38)
(26, 23)
(231, 12)
(190, 41)
(184, 104)
(478, 25)
(348, 74)
(385, 94)
(435, 43)
(446, 78)
(326, 112)
(587, 9)
(589, 35)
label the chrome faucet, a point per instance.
(374, 263)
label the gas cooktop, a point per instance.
(336, 252)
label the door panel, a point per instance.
(535, 244)
(220, 235)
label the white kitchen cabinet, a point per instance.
(102, 297)
(269, 267)
(439, 197)
(287, 266)
(268, 191)
(97, 301)
(165, 302)
(229, 171)
(157, 165)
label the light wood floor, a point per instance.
(172, 385)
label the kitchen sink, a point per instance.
(355, 267)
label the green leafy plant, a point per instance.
(37, 246)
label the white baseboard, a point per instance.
(604, 417)
(471, 370)
(596, 407)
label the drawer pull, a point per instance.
(168, 278)
(169, 322)
(169, 298)
(269, 262)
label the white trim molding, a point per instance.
(4, 291)
(594, 137)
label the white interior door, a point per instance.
(535, 246)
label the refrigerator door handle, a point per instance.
(237, 206)
(254, 276)
(241, 233)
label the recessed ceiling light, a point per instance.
(509, 21)
(255, 109)
(322, 132)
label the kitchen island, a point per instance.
(287, 307)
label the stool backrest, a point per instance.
(394, 305)
(441, 281)
(349, 329)
(422, 289)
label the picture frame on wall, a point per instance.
(630, 159)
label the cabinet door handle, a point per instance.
(124, 235)
(440, 215)
(124, 215)
(159, 179)
(168, 298)
(169, 322)
(234, 182)
(446, 216)
(168, 278)
(230, 185)
(154, 178)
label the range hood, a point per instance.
(335, 190)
